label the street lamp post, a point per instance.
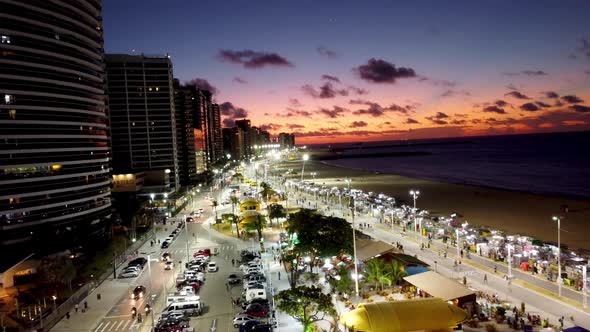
(54, 298)
(356, 272)
(509, 247)
(559, 281)
(458, 250)
(305, 158)
(415, 194)
(186, 238)
(149, 258)
(585, 287)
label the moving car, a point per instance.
(166, 257)
(169, 265)
(241, 319)
(139, 261)
(138, 292)
(165, 245)
(212, 267)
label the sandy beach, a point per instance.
(515, 212)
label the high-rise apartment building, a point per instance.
(54, 138)
(190, 103)
(215, 148)
(142, 115)
(244, 125)
(286, 140)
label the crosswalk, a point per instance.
(182, 251)
(122, 324)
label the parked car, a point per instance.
(233, 279)
(212, 267)
(139, 261)
(257, 310)
(241, 319)
(129, 272)
(165, 245)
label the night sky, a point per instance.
(334, 71)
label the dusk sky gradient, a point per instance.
(334, 71)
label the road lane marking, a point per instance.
(119, 325)
(105, 326)
(98, 327)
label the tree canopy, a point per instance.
(306, 304)
(276, 211)
(321, 235)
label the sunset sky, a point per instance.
(334, 71)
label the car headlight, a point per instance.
(141, 294)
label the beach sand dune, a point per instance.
(515, 212)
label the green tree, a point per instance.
(258, 224)
(343, 283)
(306, 304)
(397, 272)
(57, 271)
(319, 235)
(266, 190)
(276, 211)
(215, 204)
(378, 272)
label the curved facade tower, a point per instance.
(54, 136)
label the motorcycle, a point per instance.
(148, 309)
(133, 312)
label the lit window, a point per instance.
(8, 99)
(57, 36)
(150, 88)
(5, 39)
(157, 88)
(12, 114)
(133, 123)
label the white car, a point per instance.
(129, 272)
(174, 315)
(212, 267)
(241, 319)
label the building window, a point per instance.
(12, 114)
(8, 99)
(5, 39)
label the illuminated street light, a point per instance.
(305, 158)
(415, 194)
(559, 281)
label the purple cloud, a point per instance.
(571, 99)
(381, 71)
(451, 92)
(253, 59)
(358, 124)
(228, 110)
(228, 123)
(326, 91)
(270, 126)
(323, 51)
(542, 104)
(295, 126)
(501, 103)
(240, 80)
(294, 102)
(438, 118)
(529, 107)
(517, 95)
(526, 73)
(494, 109)
(335, 112)
(376, 110)
(411, 121)
(551, 94)
(203, 84)
(580, 108)
(330, 78)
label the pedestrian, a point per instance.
(485, 278)
(85, 305)
(98, 296)
(233, 261)
(68, 315)
(561, 322)
(279, 275)
(465, 280)
(495, 268)
(76, 306)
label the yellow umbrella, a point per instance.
(398, 316)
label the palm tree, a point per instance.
(266, 190)
(235, 201)
(397, 272)
(214, 204)
(257, 225)
(276, 211)
(378, 273)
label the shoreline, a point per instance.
(465, 183)
(516, 212)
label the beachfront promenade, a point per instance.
(532, 290)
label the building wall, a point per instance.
(54, 138)
(142, 114)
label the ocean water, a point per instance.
(557, 163)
